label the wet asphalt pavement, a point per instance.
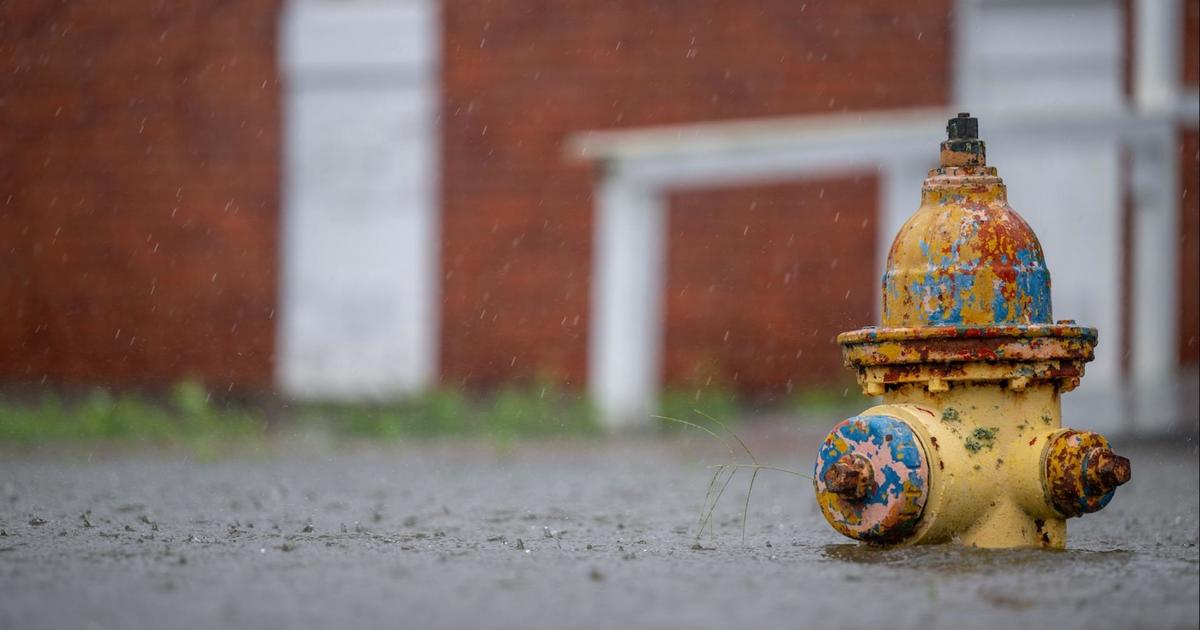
(567, 535)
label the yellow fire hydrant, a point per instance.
(968, 445)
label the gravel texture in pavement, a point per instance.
(556, 535)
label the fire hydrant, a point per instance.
(968, 445)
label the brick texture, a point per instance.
(521, 75)
(139, 175)
(761, 280)
(1189, 171)
(1189, 251)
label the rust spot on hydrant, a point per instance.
(1106, 470)
(968, 350)
(851, 476)
(1082, 472)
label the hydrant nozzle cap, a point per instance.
(1082, 472)
(872, 478)
(851, 476)
(1106, 470)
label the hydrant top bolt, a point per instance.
(851, 476)
(964, 127)
(962, 147)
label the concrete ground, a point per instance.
(566, 535)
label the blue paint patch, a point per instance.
(1086, 502)
(946, 275)
(892, 485)
(999, 306)
(1033, 283)
(885, 432)
(936, 284)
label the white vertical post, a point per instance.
(1157, 45)
(1155, 277)
(1155, 221)
(358, 314)
(624, 346)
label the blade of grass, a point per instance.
(711, 501)
(712, 487)
(697, 426)
(708, 518)
(765, 467)
(746, 508)
(730, 432)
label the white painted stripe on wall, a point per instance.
(360, 229)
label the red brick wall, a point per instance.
(760, 281)
(1189, 255)
(520, 76)
(1189, 165)
(138, 191)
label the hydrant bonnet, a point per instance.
(967, 258)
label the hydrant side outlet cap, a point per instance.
(887, 505)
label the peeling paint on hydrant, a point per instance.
(968, 446)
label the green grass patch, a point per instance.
(536, 411)
(190, 417)
(187, 417)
